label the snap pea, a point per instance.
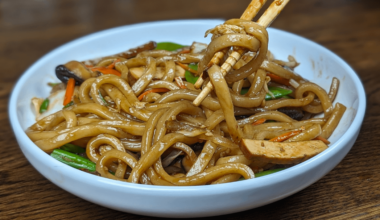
(286, 97)
(73, 160)
(44, 106)
(73, 148)
(277, 92)
(169, 46)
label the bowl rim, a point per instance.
(239, 185)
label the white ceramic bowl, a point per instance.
(317, 64)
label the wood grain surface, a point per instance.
(350, 28)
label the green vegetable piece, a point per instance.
(44, 106)
(189, 76)
(73, 160)
(169, 46)
(68, 105)
(73, 148)
(286, 97)
(244, 91)
(267, 172)
(52, 84)
(105, 102)
(277, 92)
(264, 173)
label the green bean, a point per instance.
(73, 148)
(73, 160)
(44, 106)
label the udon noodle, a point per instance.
(133, 116)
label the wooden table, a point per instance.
(350, 28)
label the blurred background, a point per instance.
(351, 28)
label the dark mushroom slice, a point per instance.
(294, 113)
(64, 74)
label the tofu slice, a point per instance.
(197, 47)
(279, 152)
(160, 71)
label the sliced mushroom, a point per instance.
(75, 70)
(294, 113)
(64, 74)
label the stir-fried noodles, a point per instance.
(131, 116)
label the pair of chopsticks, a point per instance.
(250, 12)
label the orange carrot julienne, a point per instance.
(180, 83)
(186, 67)
(322, 139)
(112, 65)
(285, 136)
(69, 91)
(152, 90)
(185, 51)
(278, 79)
(259, 122)
(106, 70)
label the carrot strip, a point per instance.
(186, 67)
(278, 79)
(106, 70)
(152, 90)
(180, 83)
(259, 122)
(322, 139)
(69, 91)
(112, 65)
(285, 136)
(184, 51)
